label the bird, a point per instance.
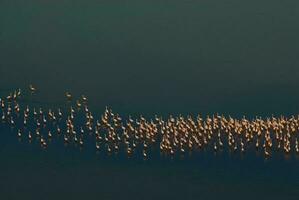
(68, 96)
(84, 98)
(78, 104)
(29, 135)
(19, 133)
(32, 88)
(19, 92)
(97, 146)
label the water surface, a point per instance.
(168, 57)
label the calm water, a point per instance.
(232, 57)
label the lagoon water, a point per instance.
(167, 57)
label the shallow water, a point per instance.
(169, 57)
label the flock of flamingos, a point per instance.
(174, 135)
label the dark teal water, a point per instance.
(232, 57)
